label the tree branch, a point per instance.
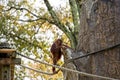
(22, 9)
(68, 33)
(40, 18)
(55, 21)
(36, 45)
(55, 17)
(32, 20)
(78, 3)
(75, 15)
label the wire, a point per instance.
(70, 60)
(62, 68)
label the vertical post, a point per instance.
(5, 71)
(7, 62)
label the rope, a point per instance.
(39, 70)
(92, 53)
(62, 68)
(75, 71)
(38, 61)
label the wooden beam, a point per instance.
(6, 72)
(7, 50)
(8, 61)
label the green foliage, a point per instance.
(31, 29)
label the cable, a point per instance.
(62, 68)
(75, 71)
(70, 60)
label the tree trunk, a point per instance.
(67, 53)
(99, 29)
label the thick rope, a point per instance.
(92, 53)
(75, 71)
(39, 70)
(63, 68)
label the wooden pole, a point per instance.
(7, 62)
(6, 72)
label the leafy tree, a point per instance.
(32, 28)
